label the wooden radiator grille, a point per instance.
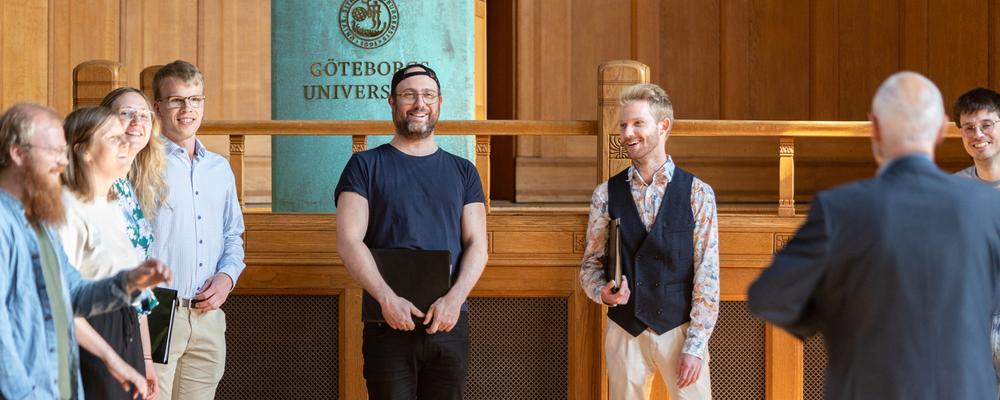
(814, 374)
(281, 347)
(518, 348)
(737, 354)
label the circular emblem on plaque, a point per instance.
(368, 23)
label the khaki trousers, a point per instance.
(633, 361)
(197, 357)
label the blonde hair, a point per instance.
(150, 164)
(659, 102)
(81, 126)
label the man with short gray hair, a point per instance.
(899, 271)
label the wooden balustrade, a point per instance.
(611, 154)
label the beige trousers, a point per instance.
(197, 356)
(633, 361)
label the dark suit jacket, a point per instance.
(900, 274)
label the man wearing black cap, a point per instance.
(412, 194)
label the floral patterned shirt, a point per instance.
(648, 197)
(140, 232)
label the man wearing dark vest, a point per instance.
(669, 256)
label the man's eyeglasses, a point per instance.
(126, 115)
(179, 101)
(985, 127)
(410, 97)
(57, 152)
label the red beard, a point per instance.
(42, 199)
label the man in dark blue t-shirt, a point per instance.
(411, 194)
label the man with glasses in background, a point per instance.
(409, 193)
(976, 113)
(197, 233)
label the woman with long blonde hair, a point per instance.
(141, 194)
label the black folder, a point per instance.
(420, 276)
(161, 323)
(613, 268)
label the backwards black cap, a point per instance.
(407, 72)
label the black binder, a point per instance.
(613, 269)
(161, 323)
(420, 276)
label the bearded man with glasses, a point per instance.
(409, 193)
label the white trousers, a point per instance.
(633, 362)
(197, 357)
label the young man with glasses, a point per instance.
(409, 193)
(197, 233)
(976, 113)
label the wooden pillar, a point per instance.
(483, 165)
(236, 151)
(92, 80)
(612, 77)
(351, 363)
(359, 143)
(146, 80)
(786, 176)
(783, 364)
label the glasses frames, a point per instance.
(173, 102)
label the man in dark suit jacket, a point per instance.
(898, 272)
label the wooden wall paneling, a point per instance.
(587, 373)
(690, 62)
(958, 46)
(480, 62)
(235, 56)
(994, 41)
(501, 78)
(824, 90)
(869, 39)
(994, 15)
(24, 52)
(913, 31)
(734, 60)
(783, 364)
(779, 64)
(80, 31)
(351, 363)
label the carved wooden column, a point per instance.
(483, 165)
(786, 176)
(612, 77)
(236, 150)
(359, 143)
(92, 80)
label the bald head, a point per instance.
(908, 114)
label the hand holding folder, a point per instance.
(419, 276)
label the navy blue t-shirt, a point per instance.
(413, 202)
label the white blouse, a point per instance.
(95, 237)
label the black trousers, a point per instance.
(412, 365)
(120, 328)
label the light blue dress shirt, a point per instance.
(28, 356)
(198, 229)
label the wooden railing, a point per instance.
(786, 133)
